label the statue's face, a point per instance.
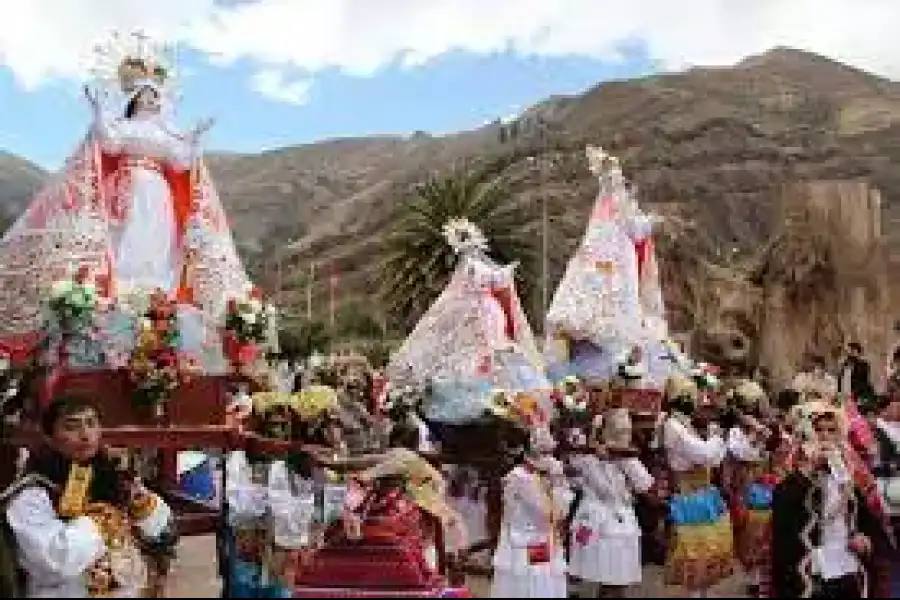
(147, 101)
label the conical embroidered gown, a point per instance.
(609, 298)
(134, 202)
(474, 338)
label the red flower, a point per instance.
(255, 293)
(167, 358)
(248, 354)
(83, 274)
(232, 306)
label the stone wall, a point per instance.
(824, 280)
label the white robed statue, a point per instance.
(474, 338)
(609, 298)
(134, 202)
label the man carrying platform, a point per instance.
(78, 526)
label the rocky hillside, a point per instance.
(708, 147)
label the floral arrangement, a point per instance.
(73, 302)
(705, 375)
(156, 366)
(247, 327)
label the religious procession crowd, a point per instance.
(551, 470)
(795, 491)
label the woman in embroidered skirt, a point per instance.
(702, 549)
(605, 535)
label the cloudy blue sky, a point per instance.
(281, 72)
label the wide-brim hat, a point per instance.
(617, 428)
(681, 387)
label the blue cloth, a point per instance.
(458, 401)
(758, 496)
(198, 482)
(702, 507)
(244, 579)
(515, 373)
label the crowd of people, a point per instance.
(794, 490)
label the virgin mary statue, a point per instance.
(134, 202)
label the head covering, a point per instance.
(749, 394)
(803, 416)
(680, 387)
(617, 428)
(541, 441)
(815, 386)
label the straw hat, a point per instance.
(617, 429)
(680, 386)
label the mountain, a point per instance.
(710, 148)
(19, 180)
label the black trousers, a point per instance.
(847, 586)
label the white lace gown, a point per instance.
(524, 524)
(146, 253)
(605, 542)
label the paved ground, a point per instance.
(194, 575)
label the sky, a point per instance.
(283, 72)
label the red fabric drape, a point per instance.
(644, 250)
(504, 297)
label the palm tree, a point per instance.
(419, 261)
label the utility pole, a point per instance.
(309, 290)
(279, 275)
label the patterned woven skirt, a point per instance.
(701, 551)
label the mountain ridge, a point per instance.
(709, 148)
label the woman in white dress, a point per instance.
(605, 535)
(530, 560)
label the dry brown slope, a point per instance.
(712, 145)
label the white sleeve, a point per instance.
(639, 227)
(640, 478)
(106, 128)
(706, 453)
(740, 446)
(47, 544)
(182, 153)
(154, 524)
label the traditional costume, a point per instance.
(887, 470)
(749, 483)
(605, 544)
(530, 559)
(701, 552)
(75, 534)
(817, 512)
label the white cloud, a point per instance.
(360, 37)
(274, 84)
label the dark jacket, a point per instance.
(860, 378)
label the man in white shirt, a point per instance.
(78, 523)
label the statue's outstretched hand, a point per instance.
(91, 96)
(201, 128)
